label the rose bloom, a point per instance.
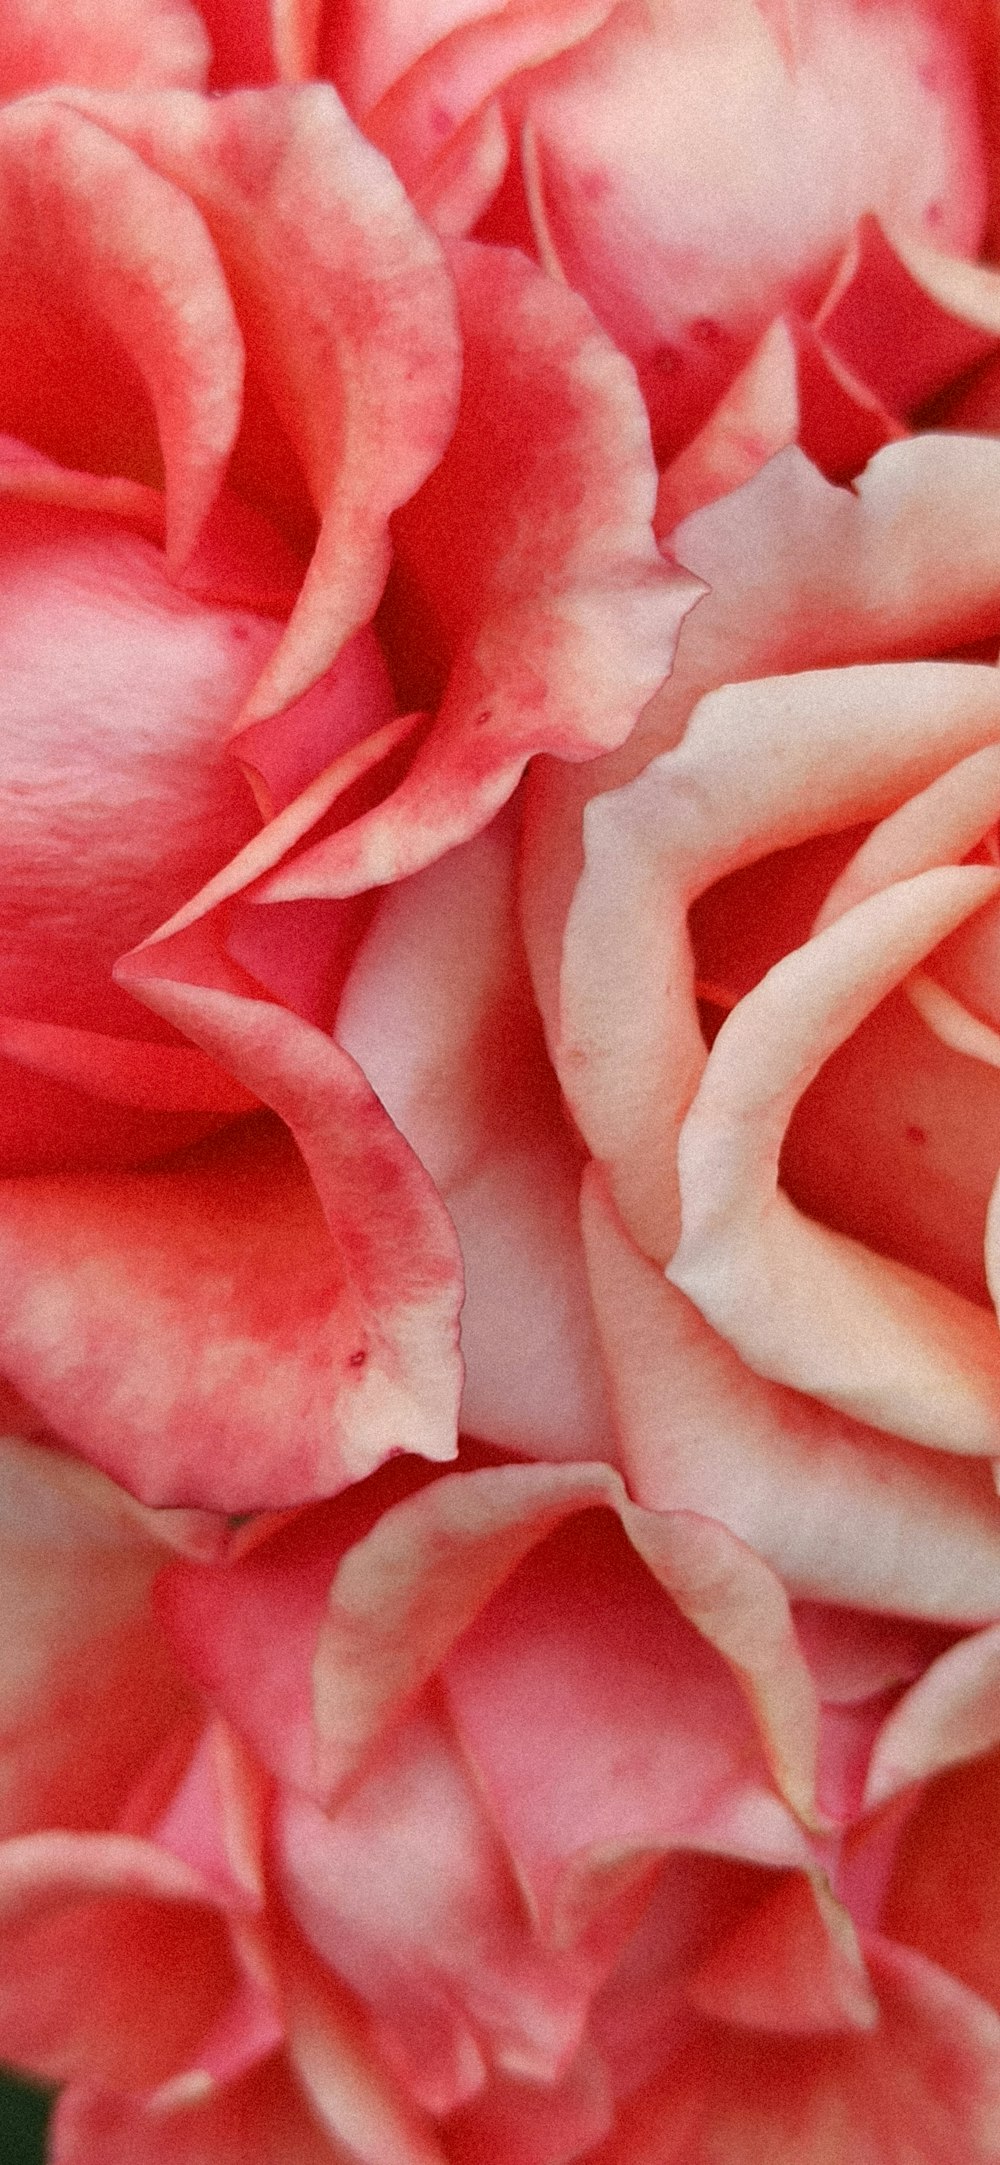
(500, 637)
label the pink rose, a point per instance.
(232, 352)
(482, 1815)
(402, 930)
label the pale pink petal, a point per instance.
(405, 1891)
(803, 575)
(879, 108)
(761, 767)
(604, 1730)
(882, 1342)
(214, 1821)
(113, 44)
(348, 313)
(365, 48)
(438, 1013)
(842, 1512)
(109, 263)
(563, 618)
(951, 1713)
(403, 1596)
(427, 105)
(264, 2117)
(114, 1966)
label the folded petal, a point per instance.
(347, 311)
(438, 1013)
(842, 1512)
(112, 285)
(882, 1343)
(114, 1963)
(564, 619)
(404, 1596)
(949, 1714)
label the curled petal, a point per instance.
(348, 313)
(403, 1596)
(794, 1966)
(113, 263)
(951, 1713)
(840, 1511)
(762, 766)
(564, 617)
(879, 1341)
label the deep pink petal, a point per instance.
(263, 2117)
(113, 287)
(530, 587)
(347, 311)
(114, 1965)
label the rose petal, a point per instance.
(402, 1597)
(269, 1404)
(941, 1897)
(262, 2116)
(950, 1714)
(840, 1511)
(347, 309)
(114, 45)
(923, 2085)
(886, 323)
(110, 263)
(113, 1965)
(565, 617)
(881, 1343)
(405, 1890)
(88, 1689)
(793, 1966)
(438, 1014)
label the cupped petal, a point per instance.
(404, 1596)
(564, 617)
(802, 576)
(438, 1013)
(762, 766)
(843, 1513)
(881, 1342)
(115, 1962)
(264, 2116)
(432, 100)
(727, 108)
(114, 45)
(404, 1889)
(114, 289)
(347, 311)
(392, 1268)
(605, 1730)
